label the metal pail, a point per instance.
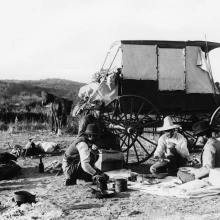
(120, 184)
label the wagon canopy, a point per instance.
(176, 65)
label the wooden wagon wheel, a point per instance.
(215, 120)
(134, 120)
(187, 121)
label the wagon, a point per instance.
(157, 79)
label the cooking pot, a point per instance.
(120, 184)
(24, 197)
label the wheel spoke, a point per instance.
(145, 125)
(145, 116)
(123, 106)
(123, 141)
(114, 122)
(147, 140)
(136, 151)
(142, 147)
(139, 111)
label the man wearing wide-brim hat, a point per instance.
(171, 151)
(210, 157)
(78, 161)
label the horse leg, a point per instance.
(52, 123)
(59, 127)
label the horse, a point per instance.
(59, 109)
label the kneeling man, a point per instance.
(79, 159)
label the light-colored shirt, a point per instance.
(178, 139)
(84, 153)
(210, 158)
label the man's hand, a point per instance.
(105, 177)
(102, 177)
(94, 147)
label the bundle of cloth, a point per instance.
(34, 148)
(8, 167)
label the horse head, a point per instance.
(47, 98)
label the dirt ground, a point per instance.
(55, 201)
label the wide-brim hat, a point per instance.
(92, 129)
(200, 127)
(168, 124)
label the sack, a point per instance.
(47, 147)
(9, 170)
(6, 158)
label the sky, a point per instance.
(69, 39)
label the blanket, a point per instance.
(168, 186)
(172, 186)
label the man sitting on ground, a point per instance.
(171, 151)
(79, 160)
(210, 157)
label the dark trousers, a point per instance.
(73, 170)
(170, 167)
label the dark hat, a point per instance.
(201, 127)
(92, 129)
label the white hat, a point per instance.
(167, 124)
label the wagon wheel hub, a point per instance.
(130, 130)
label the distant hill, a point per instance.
(20, 92)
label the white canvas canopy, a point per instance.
(106, 91)
(139, 62)
(182, 68)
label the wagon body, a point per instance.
(157, 78)
(174, 75)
